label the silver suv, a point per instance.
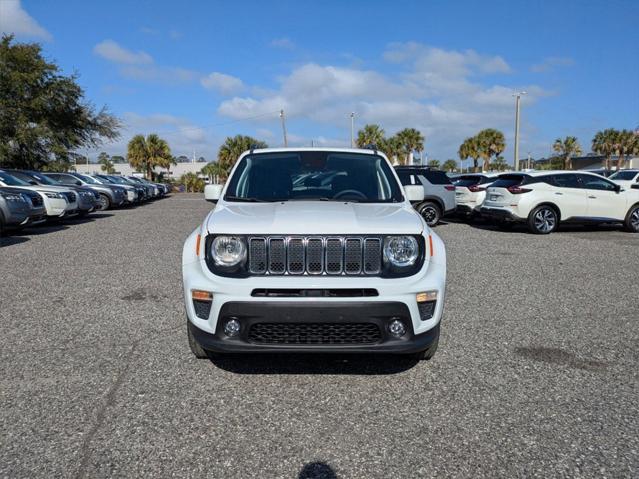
(439, 192)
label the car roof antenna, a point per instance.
(373, 147)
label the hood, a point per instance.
(43, 188)
(314, 217)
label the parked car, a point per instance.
(544, 199)
(87, 200)
(601, 172)
(625, 178)
(38, 213)
(439, 192)
(59, 202)
(107, 196)
(14, 209)
(149, 189)
(470, 192)
(282, 268)
(131, 188)
(159, 188)
(127, 190)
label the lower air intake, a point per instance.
(314, 333)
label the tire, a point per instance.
(431, 213)
(631, 223)
(196, 349)
(543, 220)
(427, 354)
(104, 203)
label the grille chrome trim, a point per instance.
(335, 255)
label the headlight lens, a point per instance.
(50, 194)
(228, 250)
(12, 197)
(401, 250)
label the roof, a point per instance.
(307, 148)
(551, 172)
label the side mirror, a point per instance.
(618, 188)
(34, 183)
(79, 183)
(213, 193)
(414, 192)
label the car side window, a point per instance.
(565, 181)
(406, 178)
(594, 183)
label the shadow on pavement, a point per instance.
(11, 240)
(317, 470)
(342, 364)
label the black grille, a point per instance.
(426, 309)
(202, 308)
(70, 196)
(36, 199)
(349, 255)
(314, 333)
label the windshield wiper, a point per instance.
(246, 199)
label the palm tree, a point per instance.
(450, 165)
(234, 146)
(215, 171)
(144, 154)
(192, 183)
(628, 144)
(605, 143)
(107, 164)
(410, 140)
(566, 148)
(392, 148)
(470, 149)
(499, 164)
(433, 163)
(491, 143)
(370, 135)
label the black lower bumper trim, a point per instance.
(296, 313)
(495, 214)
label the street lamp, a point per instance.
(518, 96)
(352, 129)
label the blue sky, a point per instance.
(196, 72)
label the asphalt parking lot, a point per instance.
(536, 375)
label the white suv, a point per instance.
(470, 192)
(314, 250)
(543, 199)
(625, 178)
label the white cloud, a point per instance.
(445, 94)
(224, 84)
(550, 63)
(284, 43)
(15, 20)
(112, 51)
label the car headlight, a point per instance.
(401, 251)
(12, 197)
(228, 250)
(51, 194)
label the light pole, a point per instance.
(518, 96)
(284, 127)
(352, 129)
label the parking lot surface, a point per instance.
(536, 374)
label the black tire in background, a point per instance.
(431, 213)
(104, 202)
(632, 220)
(543, 220)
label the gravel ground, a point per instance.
(536, 373)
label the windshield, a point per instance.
(41, 178)
(86, 179)
(624, 175)
(506, 181)
(468, 180)
(12, 180)
(314, 175)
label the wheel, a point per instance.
(543, 220)
(104, 203)
(196, 349)
(632, 220)
(430, 212)
(427, 354)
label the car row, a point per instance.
(28, 197)
(542, 200)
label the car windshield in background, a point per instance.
(466, 180)
(314, 175)
(624, 175)
(87, 179)
(45, 180)
(12, 180)
(506, 181)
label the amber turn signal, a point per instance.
(200, 295)
(426, 296)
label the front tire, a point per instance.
(196, 349)
(104, 203)
(543, 220)
(430, 212)
(632, 220)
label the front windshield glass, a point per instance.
(314, 175)
(87, 179)
(45, 180)
(624, 175)
(12, 180)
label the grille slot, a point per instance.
(314, 333)
(315, 255)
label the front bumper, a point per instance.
(283, 314)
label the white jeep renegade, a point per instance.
(313, 250)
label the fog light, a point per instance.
(426, 296)
(232, 327)
(396, 328)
